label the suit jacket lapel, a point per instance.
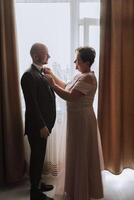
(42, 76)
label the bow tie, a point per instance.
(42, 71)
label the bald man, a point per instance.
(39, 117)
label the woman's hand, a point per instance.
(47, 70)
(50, 80)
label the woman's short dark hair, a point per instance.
(86, 54)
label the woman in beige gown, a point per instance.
(83, 174)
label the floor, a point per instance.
(120, 187)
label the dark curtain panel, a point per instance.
(116, 84)
(12, 161)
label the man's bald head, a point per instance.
(39, 53)
(36, 48)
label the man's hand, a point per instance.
(44, 132)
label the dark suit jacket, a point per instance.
(39, 100)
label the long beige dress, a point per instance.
(83, 175)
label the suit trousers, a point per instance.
(37, 156)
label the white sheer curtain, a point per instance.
(54, 166)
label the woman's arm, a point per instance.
(66, 95)
(56, 79)
(59, 82)
(74, 95)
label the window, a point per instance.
(62, 25)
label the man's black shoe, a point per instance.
(36, 194)
(46, 188)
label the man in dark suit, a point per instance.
(39, 117)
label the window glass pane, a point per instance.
(94, 36)
(44, 22)
(90, 10)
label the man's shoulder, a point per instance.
(27, 74)
(31, 74)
